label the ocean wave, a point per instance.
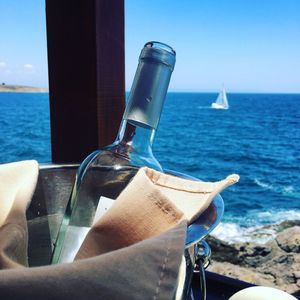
(256, 226)
(234, 233)
(264, 185)
(287, 190)
(276, 217)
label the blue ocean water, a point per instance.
(257, 138)
(24, 127)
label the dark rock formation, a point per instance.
(276, 263)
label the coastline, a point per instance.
(275, 263)
(10, 88)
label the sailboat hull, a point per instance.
(218, 106)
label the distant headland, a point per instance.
(21, 89)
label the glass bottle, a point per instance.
(106, 172)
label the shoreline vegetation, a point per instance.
(275, 263)
(11, 88)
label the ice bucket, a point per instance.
(48, 205)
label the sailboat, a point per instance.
(221, 102)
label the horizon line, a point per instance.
(233, 91)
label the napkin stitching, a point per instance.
(167, 210)
(162, 273)
(172, 182)
(184, 189)
(165, 205)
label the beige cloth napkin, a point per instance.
(17, 184)
(147, 269)
(141, 239)
(152, 203)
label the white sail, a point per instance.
(222, 101)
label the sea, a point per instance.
(258, 137)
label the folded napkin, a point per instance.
(141, 239)
(17, 184)
(151, 203)
(147, 269)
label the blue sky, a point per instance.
(23, 50)
(249, 45)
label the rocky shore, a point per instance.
(275, 263)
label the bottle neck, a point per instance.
(144, 106)
(135, 137)
(134, 142)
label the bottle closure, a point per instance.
(150, 85)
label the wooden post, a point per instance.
(86, 75)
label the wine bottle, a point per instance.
(106, 172)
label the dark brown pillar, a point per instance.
(86, 75)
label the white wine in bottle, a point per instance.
(106, 172)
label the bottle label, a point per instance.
(103, 205)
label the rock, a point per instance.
(276, 263)
(289, 239)
(256, 255)
(287, 224)
(223, 251)
(283, 225)
(297, 274)
(241, 273)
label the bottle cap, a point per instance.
(150, 85)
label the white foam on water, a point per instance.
(276, 217)
(263, 227)
(264, 185)
(234, 233)
(287, 190)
